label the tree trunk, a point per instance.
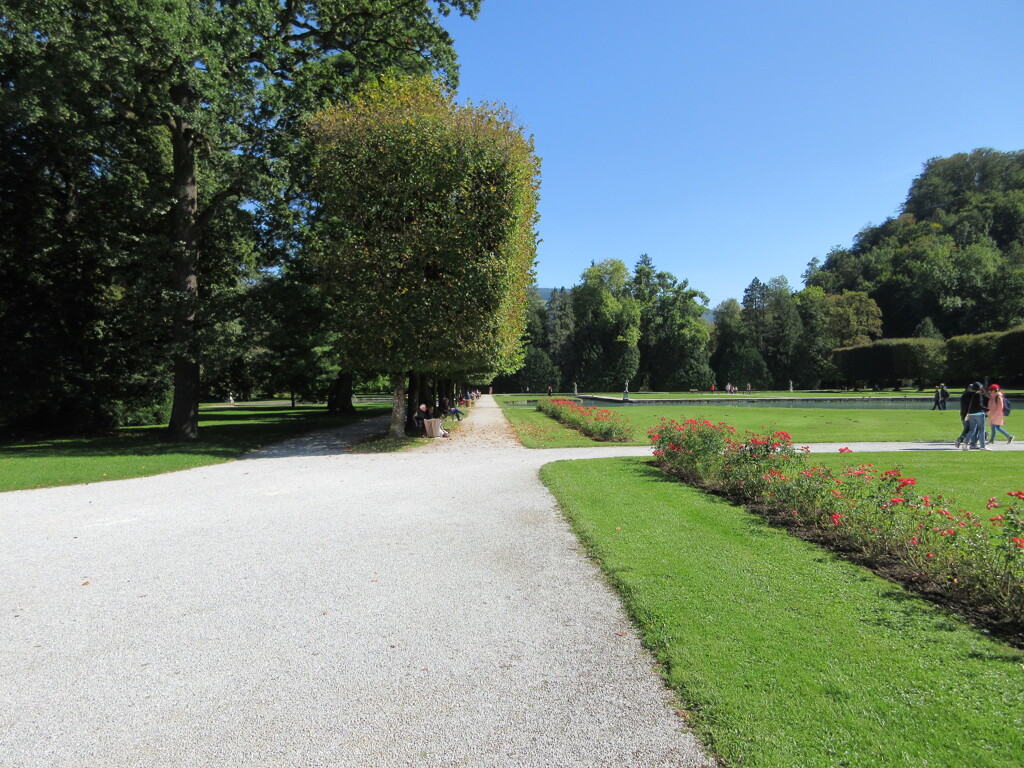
(397, 406)
(184, 424)
(340, 398)
(413, 403)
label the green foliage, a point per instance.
(955, 254)
(607, 327)
(538, 372)
(426, 244)
(674, 338)
(149, 146)
(926, 330)
(996, 355)
(736, 359)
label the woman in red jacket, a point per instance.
(996, 416)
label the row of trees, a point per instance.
(642, 326)
(951, 263)
(650, 329)
(425, 238)
(155, 195)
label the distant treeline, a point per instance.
(950, 265)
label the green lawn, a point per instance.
(971, 478)
(784, 654)
(806, 425)
(225, 434)
(885, 393)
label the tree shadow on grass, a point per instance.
(262, 426)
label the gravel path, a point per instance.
(311, 607)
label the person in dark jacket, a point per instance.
(973, 405)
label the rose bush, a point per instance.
(599, 423)
(879, 513)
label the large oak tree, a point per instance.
(221, 85)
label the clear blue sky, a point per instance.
(739, 139)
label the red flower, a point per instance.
(836, 517)
(845, 449)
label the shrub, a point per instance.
(893, 359)
(598, 423)
(878, 513)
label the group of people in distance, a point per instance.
(445, 411)
(977, 403)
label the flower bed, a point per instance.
(977, 559)
(598, 423)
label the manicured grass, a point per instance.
(814, 425)
(784, 654)
(538, 430)
(765, 394)
(971, 478)
(884, 393)
(225, 434)
(806, 425)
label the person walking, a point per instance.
(997, 412)
(972, 412)
(943, 396)
(937, 400)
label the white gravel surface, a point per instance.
(311, 607)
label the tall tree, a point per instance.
(674, 337)
(225, 83)
(607, 318)
(561, 323)
(814, 352)
(426, 241)
(784, 334)
(735, 358)
(854, 319)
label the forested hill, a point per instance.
(954, 256)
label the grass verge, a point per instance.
(225, 434)
(784, 654)
(538, 430)
(806, 425)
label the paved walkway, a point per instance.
(311, 607)
(917, 445)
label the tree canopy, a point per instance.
(190, 108)
(426, 237)
(954, 255)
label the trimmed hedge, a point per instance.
(999, 355)
(890, 359)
